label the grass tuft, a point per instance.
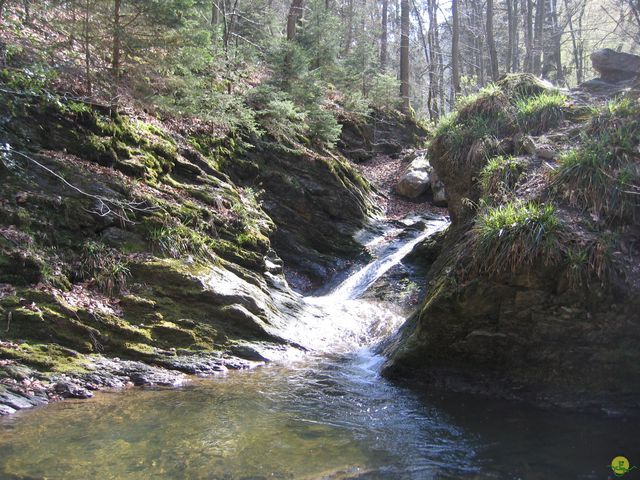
(602, 174)
(512, 235)
(105, 266)
(500, 175)
(540, 113)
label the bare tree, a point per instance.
(455, 47)
(384, 35)
(491, 42)
(404, 55)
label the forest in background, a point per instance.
(287, 66)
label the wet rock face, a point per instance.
(615, 66)
(439, 190)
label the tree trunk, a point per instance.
(455, 47)
(511, 19)
(349, 36)
(27, 11)
(515, 55)
(538, 41)
(491, 42)
(404, 55)
(528, 35)
(86, 32)
(384, 36)
(295, 14)
(215, 13)
(117, 42)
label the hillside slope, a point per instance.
(126, 249)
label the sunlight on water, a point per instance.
(339, 321)
(329, 415)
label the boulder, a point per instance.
(416, 179)
(615, 66)
(439, 190)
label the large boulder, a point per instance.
(416, 180)
(615, 66)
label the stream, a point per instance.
(327, 415)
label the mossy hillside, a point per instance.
(316, 199)
(90, 201)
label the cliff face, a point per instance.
(534, 292)
(126, 248)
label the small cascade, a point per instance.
(341, 320)
(360, 281)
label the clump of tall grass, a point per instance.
(602, 174)
(590, 260)
(513, 235)
(500, 175)
(540, 113)
(105, 266)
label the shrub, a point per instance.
(282, 120)
(507, 237)
(324, 129)
(384, 92)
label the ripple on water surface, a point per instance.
(332, 419)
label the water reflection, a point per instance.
(329, 416)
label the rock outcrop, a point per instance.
(618, 72)
(385, 132)
(129, 255)
(615, 66)
(533, 293)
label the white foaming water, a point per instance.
(341, 321)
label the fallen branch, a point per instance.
(106, 206)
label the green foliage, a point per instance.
(602, 174)
(514, 234)
(279, 116)
(33, 79)
(324, 129)
(500, 175)
(105, 266)
(540, 113)
(384, 92)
